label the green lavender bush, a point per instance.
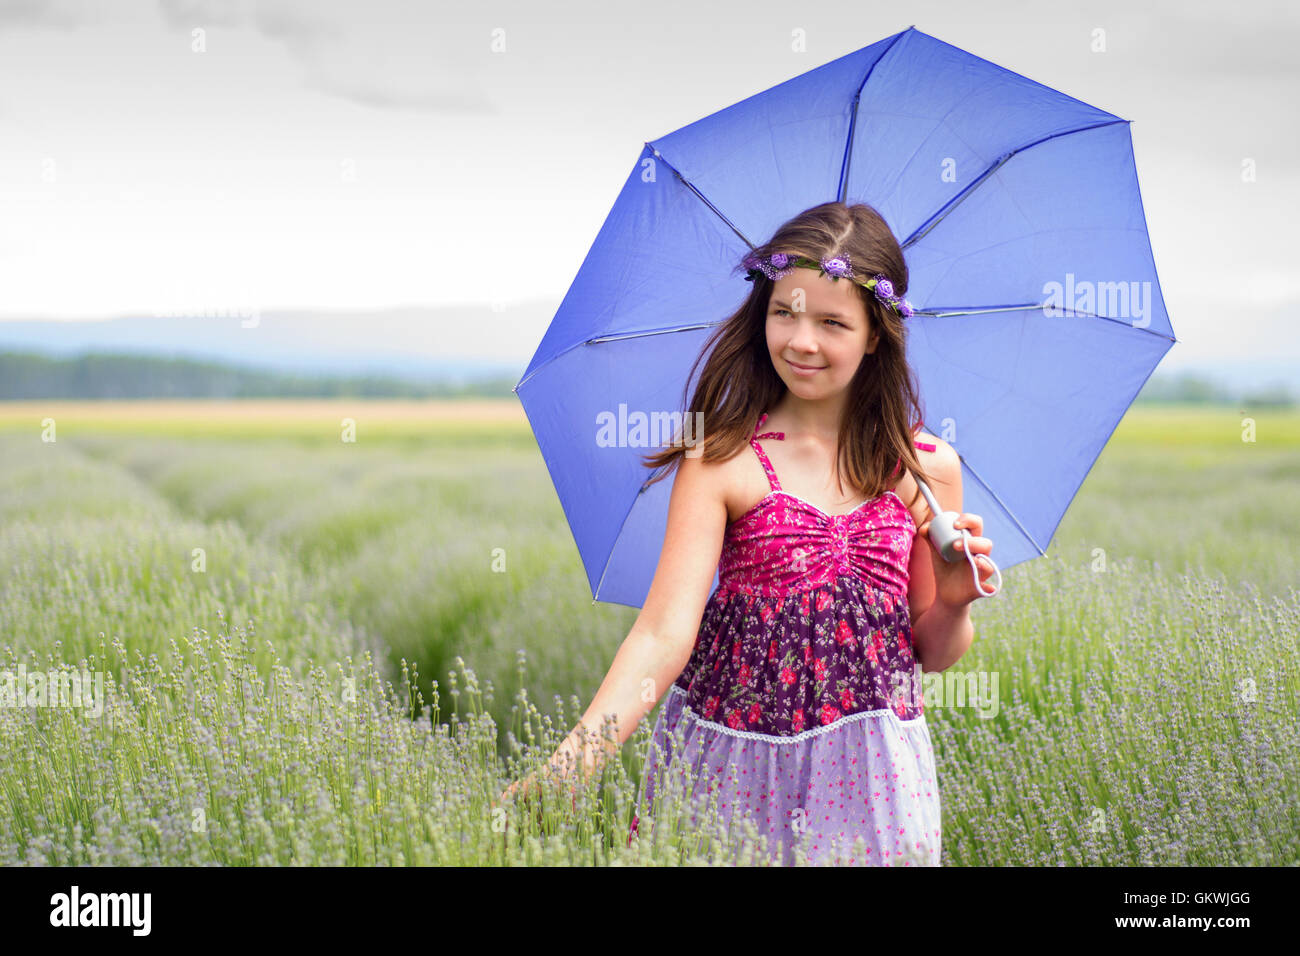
(384, 635)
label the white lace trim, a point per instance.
(805, 735)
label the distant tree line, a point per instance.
(27, 375)
(108, 375)
(1190, 388)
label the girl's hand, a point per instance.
(954, 584)
(529, 789)
(528, 792)
(525, 787)
(563, 765)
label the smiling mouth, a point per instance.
(806, 368)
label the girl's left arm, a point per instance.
(942, 631)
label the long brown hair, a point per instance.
(739, 382)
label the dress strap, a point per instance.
(923, 445)
(762, 455)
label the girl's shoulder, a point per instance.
(931, 448)
(939, 460)
(937, 457)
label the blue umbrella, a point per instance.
(1038, 310)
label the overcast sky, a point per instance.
(345, 154)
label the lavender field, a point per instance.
(320, 651)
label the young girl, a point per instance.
(793, 691)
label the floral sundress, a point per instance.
(801, 704)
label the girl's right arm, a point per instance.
(661, 640)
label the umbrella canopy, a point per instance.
(1038, 310)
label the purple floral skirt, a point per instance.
(803, 716)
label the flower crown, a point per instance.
(779, 265)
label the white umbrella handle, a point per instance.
(944, 536)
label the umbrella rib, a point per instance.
(853, 116)
(645, 332)
(621, 525)
(685, 328)
(944, 311)
(848, 146)
(613, 338)
(946, 209)
(1001, 504)
(704, 199)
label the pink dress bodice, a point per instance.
(786, 544)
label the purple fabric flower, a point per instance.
(837, 266)
(884, 287)
(779, 259)
(905, 308)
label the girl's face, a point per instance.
(817, 333)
